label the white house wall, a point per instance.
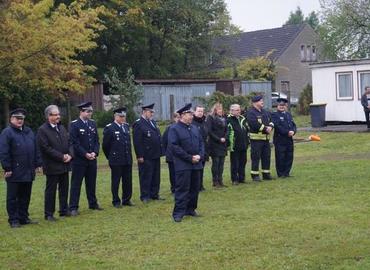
(324, 91)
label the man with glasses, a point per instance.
(84, 138)
(19, 158)
(52, 139)
(117, 149)
(285, 129)
(148, 149)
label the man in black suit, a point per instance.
(52, 139)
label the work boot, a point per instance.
(216, 184)
(256, 178)
(267, 176)
(222, 184)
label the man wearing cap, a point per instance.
(285, 129)
(188, 153)
(117, 149)
(148, 149)
(261, 126)
(52, 139)
(19, 158)
(84, 138)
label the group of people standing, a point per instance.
(187, 145)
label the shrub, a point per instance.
(305, 99)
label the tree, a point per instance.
(297, 17)
(260, 68)
(345, 28)
(124, 93)
(39, 45)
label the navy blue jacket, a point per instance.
(185, 141)
(147, 139)
(283, 123)
(165, 145)
(84, 139)
(19, 154)
(117, 144)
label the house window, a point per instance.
(363, 81)
(314, 57)
(303, 55)
(344, 86)
(308, 56)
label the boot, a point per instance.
(267, 176)
(256, 178)
(216, 184)
(222, 184)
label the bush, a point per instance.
(225, 100)
(103, 118)
(305, 99)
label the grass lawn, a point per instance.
(319, 219)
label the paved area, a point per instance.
(336, 128)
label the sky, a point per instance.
(252, 15)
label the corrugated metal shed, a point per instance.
(249, 87)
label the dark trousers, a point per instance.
(186, 192)
(171, 169)
(79, 172)
(18, 196)
(201, 186)
(217, 168)
(283, 158)
(260, 150)
(367, 112)
(123, 172)
(149, 174)
(238, 160)
(53, 182)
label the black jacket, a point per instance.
(365, 102)
(117, 144)
(165, 145)
(217, 129)
(53, 145)
(201, 124)
(19, 154)
(283, 123)
(237, 139)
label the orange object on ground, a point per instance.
(314, 138)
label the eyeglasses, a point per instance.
(20, 118)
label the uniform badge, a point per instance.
(281, 118)
(148, 134)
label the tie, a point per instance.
(56, 128)
(123, 128)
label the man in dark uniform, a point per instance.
(148, 149)
(188, 152)
(260, 128)
(19, 158)
(366, 105)
(84, 138)
(285, 129)
(199, 120)
(52, 139)
(237, 141)
(117, 149)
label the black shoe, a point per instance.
(222, 185)
(267, 176)
(193, 214)
(14, 224)
(117, 206)
(74, 213)
(235, 183)
(96, 207)
(129, 203)
(66, 214)
(256, 178)
(202, 189)
(28, 221)
(177, 219)
(50, 218)
(242, 182)
(158, 198)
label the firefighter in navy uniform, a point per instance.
(19, 158)
(285, 129)
(260, 128)
(148, 149)
(85, 142)
(188, 153)
(117, 149)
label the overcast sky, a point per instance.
(252, 15)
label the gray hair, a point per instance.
(234, 106)
(49, 109)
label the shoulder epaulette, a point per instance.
(108, 124)
(137, 120)
(74, 121)
(92, 120)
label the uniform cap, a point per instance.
(185, 109)
(120, 111)
(85, 106)
(257, 98)
(282, 100)
(19, 113)
(148, 107)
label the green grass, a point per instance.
(317, 220)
